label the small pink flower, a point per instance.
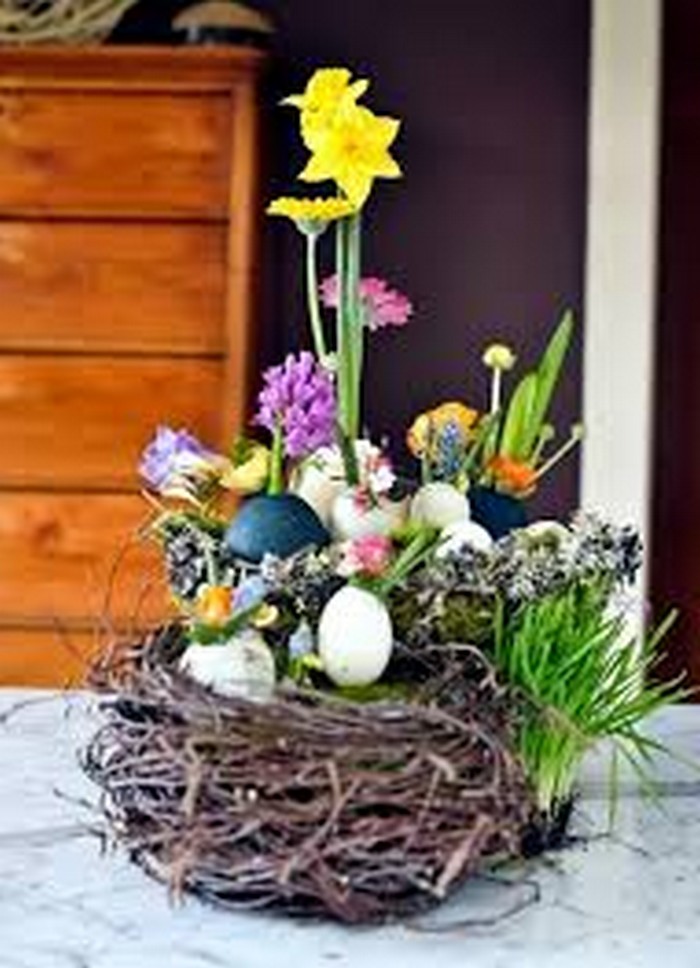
(368, 556)
(383, 306)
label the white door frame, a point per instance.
(620, 273)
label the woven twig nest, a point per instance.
(308, 804)
(47, 21)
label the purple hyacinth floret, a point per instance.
(166, 453)
(298, 395)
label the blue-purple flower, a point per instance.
(176, 464)
(299, 399)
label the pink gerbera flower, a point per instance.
(383, 305)
(369, 556)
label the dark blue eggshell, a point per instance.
(275, 524)
(498, 513)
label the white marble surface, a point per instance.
(622, 902)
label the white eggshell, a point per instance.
(242, 667)
(355, 637)
(350, 520)
(319, 489)
(461, 535)
(439, 504)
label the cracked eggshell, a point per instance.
(355, 637)
(461, 535)
(243, 667)
(351, 520)
(439, 505)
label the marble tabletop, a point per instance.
(627, 899)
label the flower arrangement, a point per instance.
(332, 586)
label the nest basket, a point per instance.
(309, 804)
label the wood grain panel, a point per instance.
(50, 657)
(126, 287)
(70, 558)
(114, 154)
(138, 67)
(83, 421)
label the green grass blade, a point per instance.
(547, 377)
(516, 429)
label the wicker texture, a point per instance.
(308, 804)
(46, 21)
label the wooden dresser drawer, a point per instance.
(164, 154)
(83, 421)
(72, 558)
(52, 656)
(96, 286)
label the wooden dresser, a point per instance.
(128, 207)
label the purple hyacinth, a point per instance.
(166, 454)
(298, 396)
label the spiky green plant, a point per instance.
(582, 680)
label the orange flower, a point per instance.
(213, 605)
(513, 476)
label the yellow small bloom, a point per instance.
(311, 215)
(265, 616)
(454, 412)
(353, 151)
(251, 475)
(498, 356)
(418, 436)
(426, 428)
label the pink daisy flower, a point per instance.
(383, 305)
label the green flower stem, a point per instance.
(573, 441)
(276, 480)
(357, 316)
(312, 299)
(419, 549)
(496, 390)
(343, 336)
(349, 321)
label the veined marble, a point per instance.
(627, 901)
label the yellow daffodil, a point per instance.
(457, 413)
(353, 151)
(498, 356)
(327, 90)
(250, 474)
(311, 215)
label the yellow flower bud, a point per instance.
(250, 476)
(498, 356)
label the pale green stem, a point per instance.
(357, 317)
(496, 390)
(312, 299)
(276, 480)
(343, 335)
(572, 442)
(545, 436)
(350, 324)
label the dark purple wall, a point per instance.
(486, 230)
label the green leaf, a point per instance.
(519, 418)
(548, 373)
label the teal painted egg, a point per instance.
(274, 524)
